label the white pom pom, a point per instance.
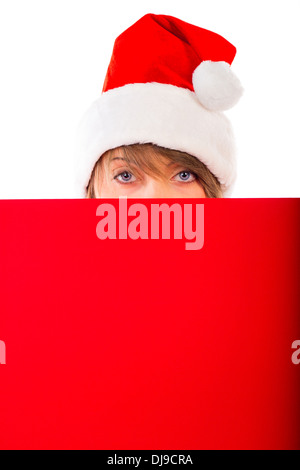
(216, 86)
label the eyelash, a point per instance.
(119, 174)
(128, 182)
(191, 173)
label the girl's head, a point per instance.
(146, 170)
(160, 94)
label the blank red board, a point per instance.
(142, 344)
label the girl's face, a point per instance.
(120, 180)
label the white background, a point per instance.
(54, 56)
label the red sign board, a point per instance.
(142, 343)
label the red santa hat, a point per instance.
(167, 83)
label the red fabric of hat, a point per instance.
(164, 49)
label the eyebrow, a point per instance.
(169, 164)
(120, 158)
(175, 164)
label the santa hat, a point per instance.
(167, 83)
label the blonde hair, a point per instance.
(138, 154)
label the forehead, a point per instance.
(140, 156)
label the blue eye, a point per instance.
(125, 177)
(185, 176)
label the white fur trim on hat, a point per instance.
(216, 85)
(161, 114)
